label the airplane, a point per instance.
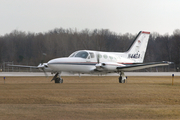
(99, 62)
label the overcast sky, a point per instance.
(120, 16)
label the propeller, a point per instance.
(43, 66)
(45, 72)
(98, 58)
(99, 65)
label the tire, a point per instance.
(57, 80)
(61, 80)
(120, 79)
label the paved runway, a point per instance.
(4, 74)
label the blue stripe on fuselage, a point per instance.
(65, 63)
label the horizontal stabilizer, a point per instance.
(142, 66)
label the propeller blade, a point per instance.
(98, 61)
(45, 73)
(99, 65)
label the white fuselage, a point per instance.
(88, 63)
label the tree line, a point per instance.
(33, 48)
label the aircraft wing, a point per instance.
(42, 67)
(23, 66)
(142, 66)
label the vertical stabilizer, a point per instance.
(137, 50)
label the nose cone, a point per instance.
(65, 64)
(53, 61)
(57, 61)
(54, 64)
(64, 61)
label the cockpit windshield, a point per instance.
(81, 54)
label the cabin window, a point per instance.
(82, 54)
(91, 54)
(99, 55)
(105, 56)
(111, 57)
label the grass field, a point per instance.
(89, 97)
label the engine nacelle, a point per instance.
(108, 66)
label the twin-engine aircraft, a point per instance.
(98, 62)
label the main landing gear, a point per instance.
(57, 78)
(122, 78)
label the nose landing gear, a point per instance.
(57, 78)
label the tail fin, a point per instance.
(137, 50)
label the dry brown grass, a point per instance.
(90, 98)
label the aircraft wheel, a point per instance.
(57, 80)
(61, 80)
(120, 79)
